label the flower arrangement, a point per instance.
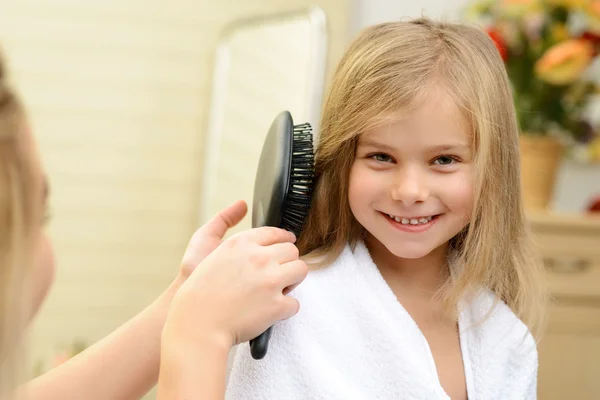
(548, 47)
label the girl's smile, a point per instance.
(415, 224)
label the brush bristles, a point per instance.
(298, 198)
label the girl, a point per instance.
(233, 295)
(429, 289)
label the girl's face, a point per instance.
(411, 180)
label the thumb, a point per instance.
(225, 219)
(209, 236)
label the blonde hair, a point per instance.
(387, 69)
(20, 210)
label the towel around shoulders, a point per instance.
(353, 340)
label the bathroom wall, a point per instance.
(118, 95)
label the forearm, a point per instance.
(122, 366)
(190, 372)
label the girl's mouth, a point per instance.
(413, 223)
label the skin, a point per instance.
(194, 354)
(226, 292)
(417, 166)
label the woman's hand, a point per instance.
(209, 236)
(238, 291)
(232, 296)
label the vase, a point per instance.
(540, 159)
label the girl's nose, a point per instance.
(410, 186)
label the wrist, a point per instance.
(192, 369)
(177, 283)
(202, 330)
(182, 348)
(162, 304)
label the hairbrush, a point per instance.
(283, 188)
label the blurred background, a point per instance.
(150, 116)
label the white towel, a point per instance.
(352, 339)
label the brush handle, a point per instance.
(260, 344)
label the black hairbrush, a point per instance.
(283, 188)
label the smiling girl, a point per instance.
(424, 284)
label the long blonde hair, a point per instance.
(386, 70)
(20, 211)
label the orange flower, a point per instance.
(564, 62)
(567, 3)
(517, 8)
(593, 15)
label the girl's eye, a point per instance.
(381, 157)
(444, 160)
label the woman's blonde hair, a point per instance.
(386, 70)
(20, 213)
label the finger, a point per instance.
(284, 252)
(225, 219)
(292, 274)
(268, 235)
(289, 307)
(290, 288)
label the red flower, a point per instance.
(499, 42)
(594, 38)
(594, 205)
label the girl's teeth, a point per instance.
(411, 221)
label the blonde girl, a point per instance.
(428, 287)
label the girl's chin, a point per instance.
(409, 254)
(410, 251)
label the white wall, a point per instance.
(368, 12)
(576, 183)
